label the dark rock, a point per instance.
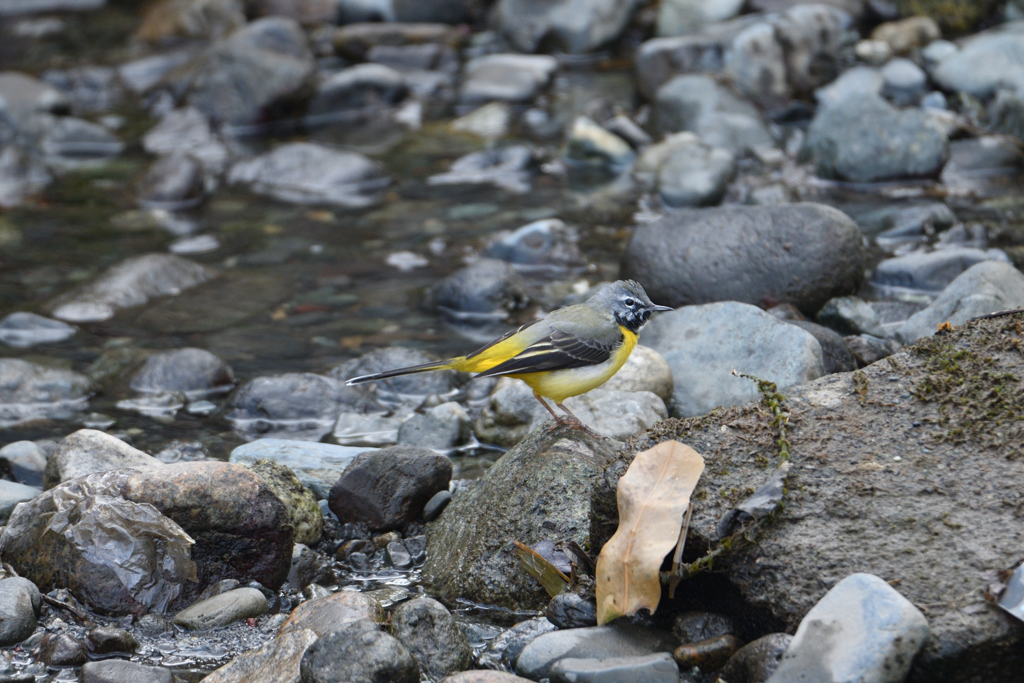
(835, 354)
(433, 637)
(432, 11)
(572, 610)
(324, 615)
(306, 519)
(803, 254)
(276, 662)
(250, 75)
(120, 671)
(505, 77)
(194, 372)
(22, 330)
(693, 627)
(31, 392)
(867, 349)
(358, 87)
(20, 603)
(105, 640)
(308, 567)
(503, 651)
(89, 451)
(223, 609)
(864, 139)
(436, 505)
(656, 668)
(307, 173)
(708, 655)
(153, 625)
(487, 288)
(358, 653)
(61, 649)
(850, 315)
(173, 182)
(547, 242)
(397, 556)
(387, 489)
(598, 642)
(755, 662)
(417, 547)
(301, 406)
(546, 484)
(573, 27)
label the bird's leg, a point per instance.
(559, 419)
(577, 423)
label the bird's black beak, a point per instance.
(655, 309)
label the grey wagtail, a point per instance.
(567, 353)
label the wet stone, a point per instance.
(504, 649)
(308, 567)
(20, 603)
(22, 330)
(708, 655)
(358, 652)
(755, 662)
(61, 649)
(395, 389)
(396, 555)
(505, 77)
(544, 243)
(223, 609)
(25, 460)
(275, 662)
(597, 642)
(194, 372)
(358, 87)
(571, 610)
(120, 671)
(71, 142)
(436, 505)
(692, 627)
(106, 640)
(507, 168)
(433, 637)
(487, 289)
(29, 392)
(656, 668)
(187, 131)
(484, 677)
(172, 183)
(302, 406)
(574, 27)
(323, 615)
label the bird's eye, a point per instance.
(629, 302)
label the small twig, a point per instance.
(9, 569)
(997, 314)
(60, 604)
(677, 558)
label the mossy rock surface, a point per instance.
(910, 469)
(954, 16)
(306, 517)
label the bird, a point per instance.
(566, 353)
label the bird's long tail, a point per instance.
(450, 364)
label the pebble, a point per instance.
(860, 81)
(680, 17)
(484, 677)
(904, 82)
(756, 661)
(931, 271)
(507, 168)
(505, 77)
(30, 392)
(696, 175)
(597, 642)
(22, 330)
(850, 315)
(655, 668)
(61, 650)
(105, 640)
(708, 655)
(504, 649)
(358, 651)
(187, 131)
(574, 27)
(323, 615)
(547, 243)
(490, 121)
(120, 671)
(386, 489)
(277, 661)
(20, 603)
(25, 460)
(172, 183)
(591, 147)
(693, 627)
(436, 505)
(70, 143)
(862, 630)
(571, 610)
(487, 289)
(396, 555)
(906, 34)
(716, 114)
(223, 609)
(359, 87)
(433, 637)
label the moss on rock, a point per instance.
(306, 518)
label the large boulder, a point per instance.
(908, 461)
(705, 344)
(802, 254)
(545, 486)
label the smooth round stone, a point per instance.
(570, 610)
(223, 609)
(433, 637)
(436, 505)
(358, 652)
(20, 603)
(120, 671)
(397, 556)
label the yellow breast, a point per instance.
(559, 385)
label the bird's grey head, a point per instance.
(628, 302)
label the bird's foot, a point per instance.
(577, 424)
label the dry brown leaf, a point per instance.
(653, 495)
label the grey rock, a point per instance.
(215, 589)
(120, 671)
(358, 653)
(904, 82)
(355, 40)
(394, 389)
(242, 79)
(598, 642)
(25, 460)
(645, 370)
(507, 168)
(899, 224)
(21, 175)
(505, 77)
(25, 97)
(757, 64)
(544, 243)
(1006, 113)
(436, 505)
(358, 87)
(573, 26)
(69, 142)
(546, 484)
(756, 661)
(89, 451)
(326, 614)
(487, 289)
(696, 175)
(173, 182)
(930, 271)
(275, 662)
(802, 254)
(484, 677)
(984, 288)
(863, 629)
(308, 568)
(860, 81)
(397, 556)
(305, 173)
(23, 330)
(592, 147)
(986, 63)
(433, 637)
(194, 372)
(512, 412)
(936, 51)
(20, 603)
(88, 88)
(104, 640)
(367, 430)
(680, 17)
(141, 75)
(133, 282)
(835, 354)
(61, 650)
(867, 140)
(300, 405)
(704, 344)
(505, 648)
(656, 668)
(572, 610)
(442, 427)
(628, 130)
(716, 114)
(850, 315)
(387, 488)
(12, 493)
(693, 627)
(868, 349)
(812, 36)
(223, 609)
(30, 392)
(303, 511)
(187, 131)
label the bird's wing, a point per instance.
(559, 350)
